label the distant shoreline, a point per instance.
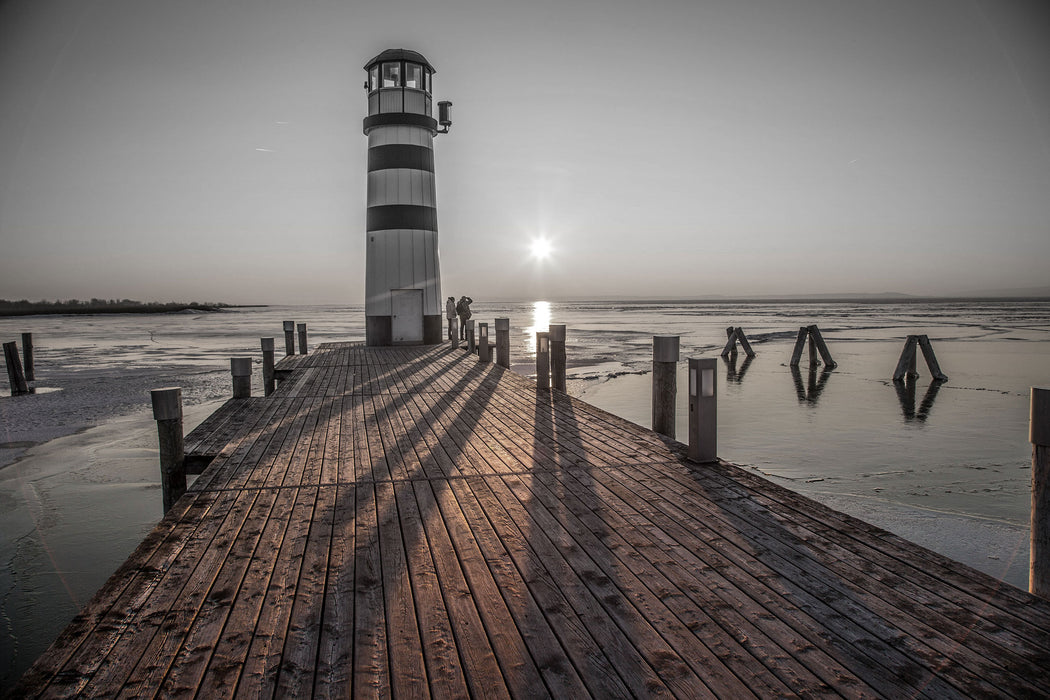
(8, 309)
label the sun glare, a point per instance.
(541, 248)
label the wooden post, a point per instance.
(812, 350)
(556, 333)
(906, 364)
(730, 343)
(931, 359)
(800, 344)
(269, 386)
(1039, 436)
(743, 342)
(27, 354)
(484, 349)
(543, 360)
(241, 369)
(703, 410)
(665, 383)
(167, 411)
(454, 340)
(289, 338)
(503, 342)
(471, 346)
(815, 338)
(14, 370)
(302, 338)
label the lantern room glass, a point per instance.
(391, 75)
(414, 76)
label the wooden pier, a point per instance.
(410, 522)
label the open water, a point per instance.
(945, 464)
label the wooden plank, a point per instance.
(334, 670)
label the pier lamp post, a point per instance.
(403, 303)
(703, 415)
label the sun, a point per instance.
(540, 248)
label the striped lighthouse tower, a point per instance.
(403, 303)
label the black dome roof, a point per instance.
(400, 55)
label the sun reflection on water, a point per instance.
(541, 321)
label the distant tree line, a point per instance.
(24, 307)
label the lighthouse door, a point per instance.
(407, 311)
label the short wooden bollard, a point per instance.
(289, 337)
(543, 361)
(484, 349)
(27, 356)
(1039, 436)
(269, 385)
(167, 411)
(557, 340)
(14, 370)
(241, 369)
(665, 383)
(471, 345)
(503, 342)
(301, 327)
(453, 342)
(703, 410)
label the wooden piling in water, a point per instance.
(269, 384)
(665, 383)
(241, 369)
(503, 342)
(931, 359)
(302, 338)
(15, 375)
(907, 364)
(556, 334)
(289, 338)
(816, 344)
(737, 335)
(1039, 436)
(543, 360)
(815, 338)
(27, 355)
(167, 411)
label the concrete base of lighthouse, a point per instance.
(379, 330)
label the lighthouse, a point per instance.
(403, 303)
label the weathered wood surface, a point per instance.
(410, 522)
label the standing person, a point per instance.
(463, 309)
(450, 314)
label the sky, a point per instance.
(213, 149)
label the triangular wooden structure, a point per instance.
(816, 343)
(906, 365)
(737, 335)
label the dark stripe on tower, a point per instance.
(400, 155)
(408, 216)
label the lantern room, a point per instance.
(399, 80)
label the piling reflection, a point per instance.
(541, 321)
(734, 375)
(810, 391)
(906, 391)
